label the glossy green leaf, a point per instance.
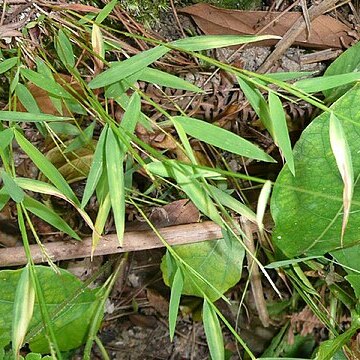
(213, 332)
(308, 208)
(280, 131)
(70, 307)
(64, 49)
(176, 289)
(95, 169)
(7, 64)
(24, 302)
(347, 62)
(222, 138)
(15, 192)
(28, 117)
(49, 216)
(46, 167)
(207, 42)
(218, 261)
(123, 69)
(115, 174)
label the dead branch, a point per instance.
(133, 241)
(298, 27)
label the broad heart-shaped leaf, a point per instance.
(218, 261)
(70, 325)
(307, 209)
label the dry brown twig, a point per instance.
(133, 241)
(298, 27)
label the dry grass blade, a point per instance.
(342, 155)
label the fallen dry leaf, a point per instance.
(157, 301)
(178, 212)
(326, 32)
(43, 100)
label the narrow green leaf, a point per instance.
(257, 102)
(49, 216)
(44, 70)
(4, 198)
(102, 215)
(326, 82)
(27, 99)
(46, 167)
(162, 169)
(132, 114)
(115, 174)
(186, 178)
(95, 169)
(46, 83)
(230, 202)
(64, 49)
(45, 188)
(280, 131)
(291, 75)
(342, 153)
(64, 128)
(176, 289)
(328, 348)
(347, 62)
(262, 204)
(123, 69)
(213, 332)
(222, 138)
(207, 42)
(6, 137)
(105, 11)
(7, 64)
(284, 263)
(14, 81)
(23, 309)
(83, 139)
(161, 78)
(12, 188)
(28, 117)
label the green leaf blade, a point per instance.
(280, 130)
(221, 138)
(207, 42)
(115, 174)
(308, 209)
(46, 167)
(213, 332)
(176, 289)
(123, 69)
